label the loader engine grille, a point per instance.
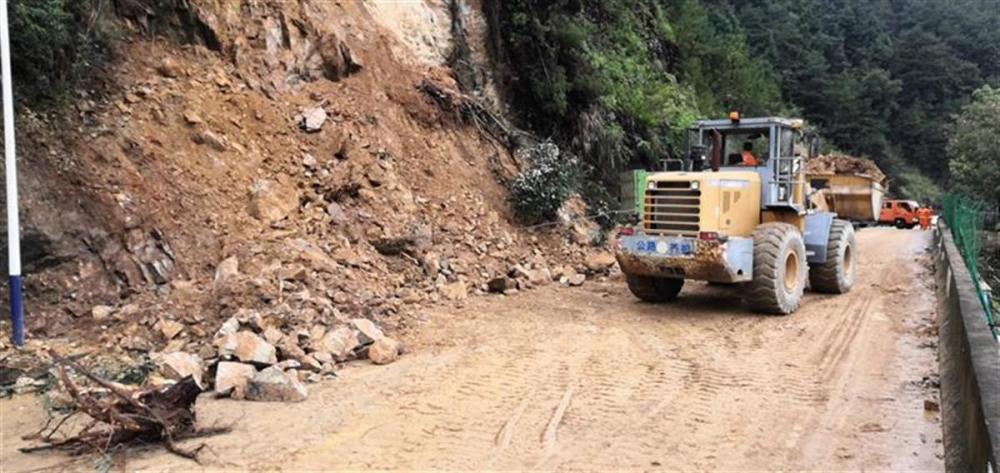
(672, 208)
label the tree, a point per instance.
(974, 147)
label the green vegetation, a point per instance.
(974, 147)
(54, 44)
(616, 82)
(541, 189)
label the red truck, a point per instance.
(901, 213)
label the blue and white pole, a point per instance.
(10, 160)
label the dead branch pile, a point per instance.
(841, 164)
(120, 416)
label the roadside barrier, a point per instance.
(965, 219)
(969, 359)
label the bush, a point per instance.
(54, 43)
(539, 192)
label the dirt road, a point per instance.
(590, 378)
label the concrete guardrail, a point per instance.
(969, 359)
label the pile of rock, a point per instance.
(256, 360)
(530, 275)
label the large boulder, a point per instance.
(384, 351)
(275, 385)
(179, 365)
(339, 343)
(232, 377)
(247, 347)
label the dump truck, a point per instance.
(853, 188)
(722, 217)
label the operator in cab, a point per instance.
(748, 158)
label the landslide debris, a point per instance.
(254, 207)
(843, 164)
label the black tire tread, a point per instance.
(826, 277)
(762, 294)
(652, 289)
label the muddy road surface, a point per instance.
(589, 378)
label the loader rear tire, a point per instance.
(836, 275)
(652, 289)
(779, 269)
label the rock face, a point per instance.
(248, 347)
(275, 385)
(384, 351)
(231, 377)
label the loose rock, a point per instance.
(313, 119)
(339, 343)
(248, 347)
(384, 351)
(369, 332)
(501, 284)
(178, 365)
(101, 312)
(233, 377)
(275, 385)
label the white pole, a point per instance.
(10, 160)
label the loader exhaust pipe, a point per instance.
(716, 150)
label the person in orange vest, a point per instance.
(748, 158)
(924, 216)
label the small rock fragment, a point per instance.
(455, 291)
(169, 68)
(313, 119)
(228, 268)
(214, 141)
(169, 328)
(101, 312)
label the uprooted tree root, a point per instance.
(121, 417)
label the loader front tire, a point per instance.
(836, 275)
(652, 289)
(779, 269)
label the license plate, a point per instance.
(666, 247)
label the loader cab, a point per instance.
(777, 145)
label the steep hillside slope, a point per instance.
(301, 162)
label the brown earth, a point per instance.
(193, 152)
(592, 379)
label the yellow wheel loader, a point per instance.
(735, 211)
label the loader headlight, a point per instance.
(651, 185)
(695, 185)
